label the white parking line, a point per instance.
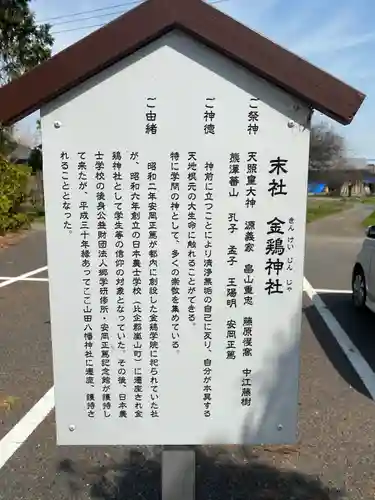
(12, 441)
(21, 277)
(355, 358)
(26, 426)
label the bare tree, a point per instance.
(327, 148)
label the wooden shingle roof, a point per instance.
(154, 18)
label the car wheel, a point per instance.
(359, 289)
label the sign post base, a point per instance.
(178, 473)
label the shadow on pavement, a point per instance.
(222, 472)
(218, 477)
(359, 326)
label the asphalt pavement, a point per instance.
(332, 244)
(28, 254)
(334, 458)
(331, 248)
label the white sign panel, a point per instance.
(175, 187)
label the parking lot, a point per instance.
(334, 458)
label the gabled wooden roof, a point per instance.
(154, 18)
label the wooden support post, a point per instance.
(178, 473)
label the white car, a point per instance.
(363, 275)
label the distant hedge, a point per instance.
(13, 192)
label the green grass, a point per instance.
(319, 208)
(36, 214)
(370, 220)
(369, 200)
(39, 218)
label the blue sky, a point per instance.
(335, 35)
